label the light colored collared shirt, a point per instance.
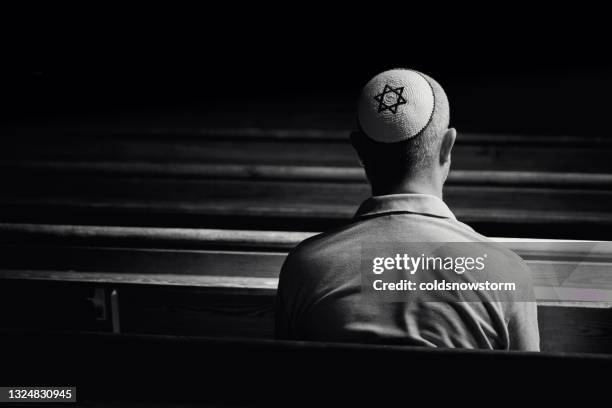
(320, 293)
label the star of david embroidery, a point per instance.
(390, 99)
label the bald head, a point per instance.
(403, 120)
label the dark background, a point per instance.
(536, 77)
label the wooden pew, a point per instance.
(222, 282)
(303, 147)
(293, 180)
(138, 370)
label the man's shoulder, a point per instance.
(317, 259)
(497, 247)
(334, 241)
(339, 244)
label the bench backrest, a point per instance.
(219, 282)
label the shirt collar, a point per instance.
(424, 204)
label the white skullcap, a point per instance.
(395, 105)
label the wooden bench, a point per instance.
(128, 370)
(293, 180)
(223, 282)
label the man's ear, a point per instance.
(448, 140)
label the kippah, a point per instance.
(395, 105)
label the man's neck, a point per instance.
(413, 186)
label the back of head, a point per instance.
(402, 117)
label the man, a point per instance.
(404, 143)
